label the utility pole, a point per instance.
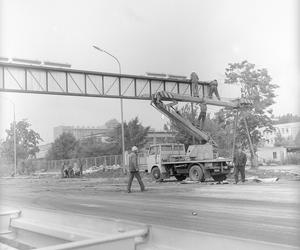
(234, 131)
(253, 160)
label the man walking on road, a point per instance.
(239, 161)
(134, 170)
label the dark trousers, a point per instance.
(201, 119)
(138, 177)
(237, 170)
(213, 90)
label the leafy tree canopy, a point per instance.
(27, 141)
(63, 147)
(215, 127)
(255, 86)
(134, 132)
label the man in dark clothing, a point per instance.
(239, 161)
(194, 81)
(134, 170)
(202, 115)
(213, 89)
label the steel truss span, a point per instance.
(25, 78)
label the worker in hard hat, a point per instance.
(213, 89)
(194, 81)
(134, 170)
(202, 115)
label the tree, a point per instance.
(63, 147)
(93, 148)
(215, 127)
(27, 141)
(134, 134)
(256, 86)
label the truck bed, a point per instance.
(197, 161)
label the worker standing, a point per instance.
(194, 81)
(202, 115)
(239, 161)
(134, 170)
(213, 89)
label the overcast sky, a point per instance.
(157, 36)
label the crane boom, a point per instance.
(168, 110)
(171, 113)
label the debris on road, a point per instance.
(188, 182)
(264, 180)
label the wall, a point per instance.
(268, 154)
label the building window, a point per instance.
(274, 155)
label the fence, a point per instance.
(86, 163)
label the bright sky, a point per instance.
(177, 36)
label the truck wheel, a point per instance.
(155, 173)
(196, 173)
(180, 177)
(219, 177)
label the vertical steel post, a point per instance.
(3, 77)
(25, 78)
(85, 88)
(67, 84)
(135, 91)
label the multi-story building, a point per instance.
(157, 137)
(78, 132)
(82, 133)
(287, 131)
(268, 151)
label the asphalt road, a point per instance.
(267, 212)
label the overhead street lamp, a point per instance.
(14, 128)
(121, 101)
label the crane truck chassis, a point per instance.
(198, 163)
(201, 161)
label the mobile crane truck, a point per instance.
(199, 162)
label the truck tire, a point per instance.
(219, 177)
(196, 173)
(180, 177)
(155, 173)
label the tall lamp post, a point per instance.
(14, 128)
(121, 101)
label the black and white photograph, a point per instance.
(150, 125)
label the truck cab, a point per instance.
(159, 154)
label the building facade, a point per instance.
(287, 131)
(158, 137)
(268, 151)
(79, 132)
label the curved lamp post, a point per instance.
(121, 101)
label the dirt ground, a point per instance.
(260, 211)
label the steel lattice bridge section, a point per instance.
(25, 78)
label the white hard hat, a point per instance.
(134, 148)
